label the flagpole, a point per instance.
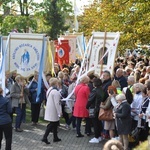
(105, 34)
(75, 17)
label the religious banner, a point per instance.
(25, 52)
(72, 43)
(62, 52)
(101, 55)
(2, 66)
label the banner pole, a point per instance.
(105, 35)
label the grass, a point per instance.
(41, 119)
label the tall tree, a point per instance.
(55, 13)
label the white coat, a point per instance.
(53, 107)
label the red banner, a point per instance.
(62, 52)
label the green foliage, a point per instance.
(54, 14)
(21, 23)
(130, 17)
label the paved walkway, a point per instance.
(30, 139)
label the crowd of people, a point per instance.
(126, 92)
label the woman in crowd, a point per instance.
(94, 101)
(123, 120)
(5, 121)
(72, 119)
(19, 96)
(142, 124)
(109, 104)
(63, 89)
(53, 111)
(136, 104)
(35, 105)
(82, 92)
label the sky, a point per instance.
(81, 3)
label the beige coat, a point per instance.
(53, 106)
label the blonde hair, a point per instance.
(85, 79)
(60, 74)
(116, 84)
(53, 81)
(18, 77)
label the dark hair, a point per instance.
(48, 74)
(97, 82)
(129, 96)
(91, 76)
(144, 90)
(1, 91)
(106, 71)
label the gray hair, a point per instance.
(120, 97)
(139, 85)
(131, 79)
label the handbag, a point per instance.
(134, 135)
(91, 112)
(105, 114)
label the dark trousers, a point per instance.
(65, 115)
(52, 126)
(20, 111)
(35, 111)
(79, 120)
(72, 120)
(7, 130)
(88, 125)
(97, 124)
(78, 126)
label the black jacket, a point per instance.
(105, 86)
(95, 98)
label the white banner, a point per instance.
(25, 53)
(102, 42)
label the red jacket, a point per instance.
(82, 92)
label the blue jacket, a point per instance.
(33, 92)
(5, 110)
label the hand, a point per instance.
(140, 115)
(114, 114)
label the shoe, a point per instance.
(45, 141)
(33, 124)
(94, 140)
(57, 140)
(88, 134)
(80, 135)
(74, 129)
(100, 139)
(67, 127)
(19, 130)
(115, 138)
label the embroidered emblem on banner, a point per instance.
(61, 53)
(25, 57)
